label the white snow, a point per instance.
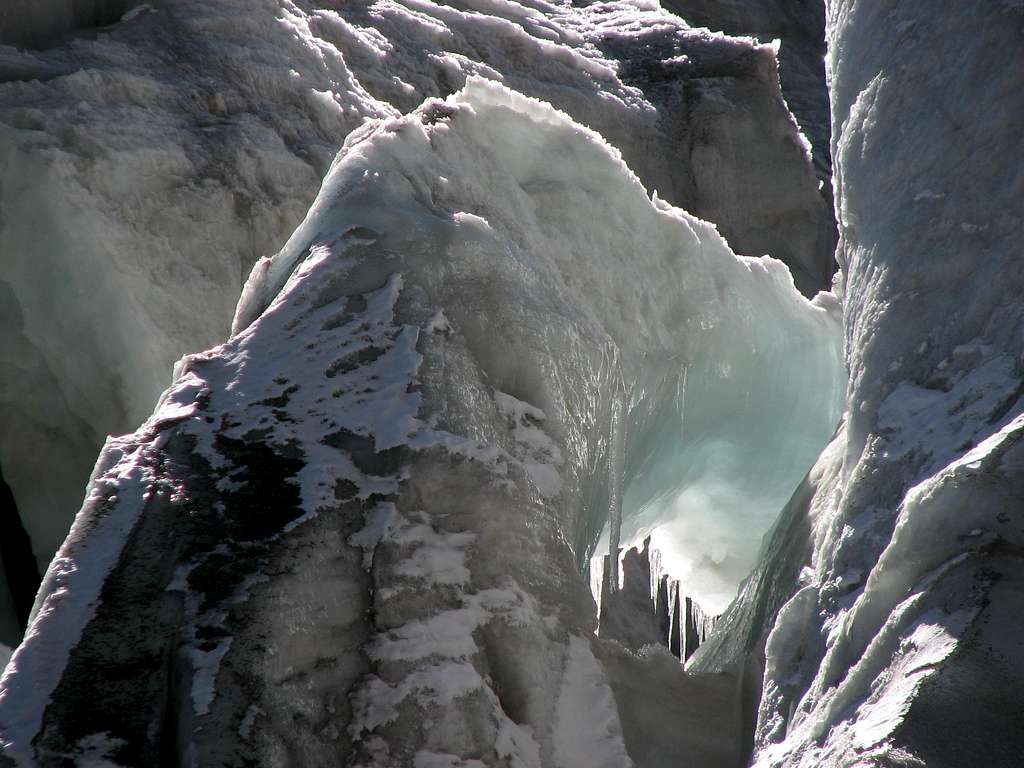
(71, 587)
(537, 452)
(437, 558)
(589, 732)
(927, 644)
(205, 665)
(376, 702)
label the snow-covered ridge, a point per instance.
(387, 481)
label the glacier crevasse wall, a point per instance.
(898, 640)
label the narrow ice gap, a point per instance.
(707, 488)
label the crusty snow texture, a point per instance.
(353, 528)
(902, 644)
(225, 114)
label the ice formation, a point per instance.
(416, 416)
(357, 527)
(641, 605)
(890, 599)
(40, 23)
(763, 376)
(226, 115)
(799, 28)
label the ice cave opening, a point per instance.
(707, 452)
(707, 469)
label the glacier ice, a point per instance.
(357, 526)
(403, 455)
(645, 606)
(763, 376)
(889, 604)
(742, 430)
(39, 23)
(226, 115)
(799, 28)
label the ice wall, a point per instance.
(898, 643)
(145, 165)
(356, 527)
(135, 186)
(731, 447)
(717, 427)
(39, 23)
(799, 26)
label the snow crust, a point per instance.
(592, 735)
(71, 587)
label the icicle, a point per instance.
(681, 397)
(616, 468)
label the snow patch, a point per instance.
(588, 733)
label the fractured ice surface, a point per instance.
(147, 164)
(648, 606)
(357, 527)
(891, 599)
